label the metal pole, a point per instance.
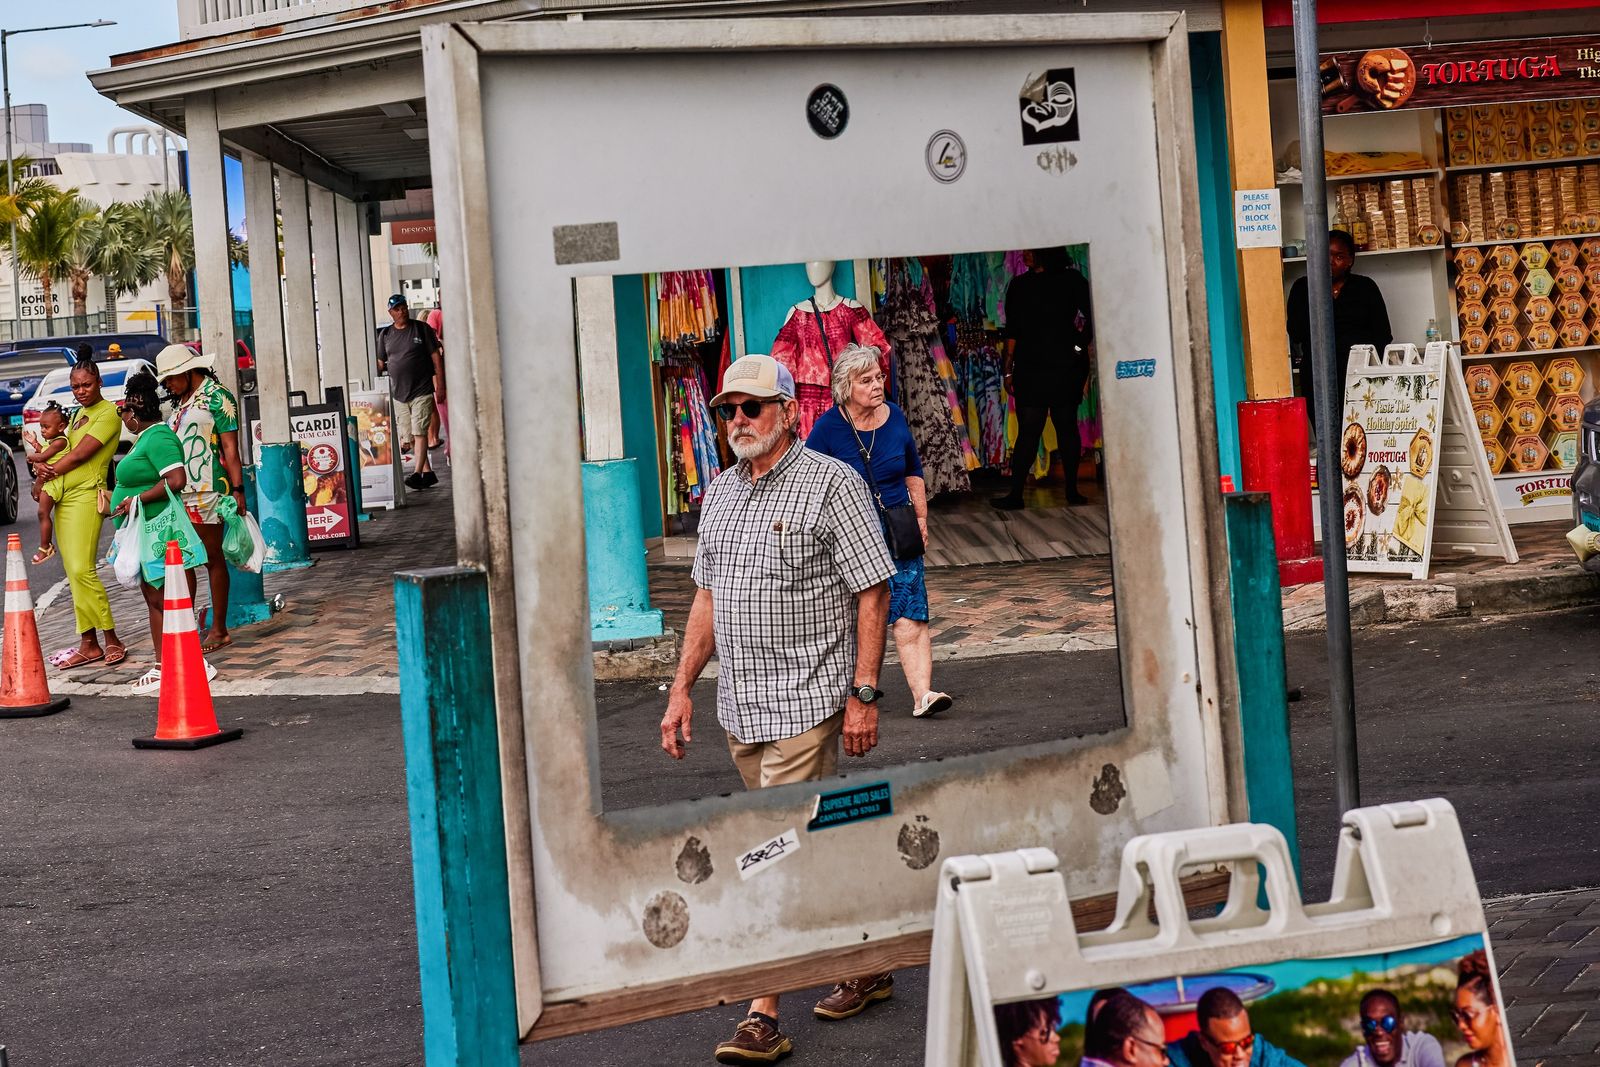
(1330, 408)
(11, 185)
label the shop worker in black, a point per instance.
(1048, 330)
(1359, 318)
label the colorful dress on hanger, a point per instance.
(799, 347)
(930, 405)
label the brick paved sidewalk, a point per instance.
(1548, 951)
(337, 621)
(1033, 603)
(338, 618)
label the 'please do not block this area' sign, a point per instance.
(1257, 218)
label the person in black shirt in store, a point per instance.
(1048, 329)
(1359, 318)
(410, 354)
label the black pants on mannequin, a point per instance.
(1057, 401)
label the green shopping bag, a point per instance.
(171, 525)
(238, 545)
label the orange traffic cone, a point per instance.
(185, 717)
(24, 693)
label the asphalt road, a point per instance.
(251, 904)
(48, 573)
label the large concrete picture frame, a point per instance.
(575, 149)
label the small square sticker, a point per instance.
(1049, 106)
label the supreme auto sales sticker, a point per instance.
(827, 111)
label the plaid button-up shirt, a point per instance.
(783, 557)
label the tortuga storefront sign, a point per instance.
(1390, 79)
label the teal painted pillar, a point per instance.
(247, 598)
(282, 511)
(458, 853)
(1258, 654)
(1225, 327)
(619, 585)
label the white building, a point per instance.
(137, 160)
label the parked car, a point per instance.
(57, 386)
(244, 359)
(134, 345)
(20, 374)
(8, 492)
(1586, 479)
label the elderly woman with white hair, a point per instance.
(870, 434)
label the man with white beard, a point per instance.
(793, 596)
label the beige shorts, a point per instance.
(804, 757)
(411, 417)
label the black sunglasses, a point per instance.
(751, 408)
(1387, 1024)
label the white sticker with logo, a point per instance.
(766, 855)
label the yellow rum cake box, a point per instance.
(1523, 380)
(1483, 382)
(1529, 453)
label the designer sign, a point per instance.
(1050, 107)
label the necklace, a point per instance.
(866, 449)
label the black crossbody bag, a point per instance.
(900, 528)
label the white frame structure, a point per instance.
(537, 127)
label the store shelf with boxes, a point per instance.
(1516, 279)
(1385, 187)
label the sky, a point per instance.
(49, 68)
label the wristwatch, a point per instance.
(866, 693)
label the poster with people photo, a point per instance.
(1433, 1006)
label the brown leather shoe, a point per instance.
(852, 997)
(756, 1040)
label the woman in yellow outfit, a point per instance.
(92, 437)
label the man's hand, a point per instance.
(860, 727)
(679, 710)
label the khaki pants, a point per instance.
(804, 757)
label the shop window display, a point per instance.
(940, 323)
(1489, 230)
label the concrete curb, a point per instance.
(1456, 596)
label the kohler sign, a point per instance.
(34, 307)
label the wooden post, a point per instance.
(213, 274)
(458, 853)
(1258, 651)
(1244, 61)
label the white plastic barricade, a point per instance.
(1398, 955)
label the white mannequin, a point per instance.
(819, 272)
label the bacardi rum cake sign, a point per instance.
(1390, 79)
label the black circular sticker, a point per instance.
(827, 111)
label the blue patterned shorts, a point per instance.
(908, 591)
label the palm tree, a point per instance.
(166, 221)
(17, 197)
(46, 238)
(238, 250)
(83, 259)
(127, 261)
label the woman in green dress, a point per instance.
(154, 465)
(92, 437)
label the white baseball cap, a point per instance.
(755, 375)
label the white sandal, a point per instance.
(932, 704)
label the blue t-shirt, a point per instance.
(1190, 1053)
(894, 452)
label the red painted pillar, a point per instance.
(1275, 458)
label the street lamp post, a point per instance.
(11, 178)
